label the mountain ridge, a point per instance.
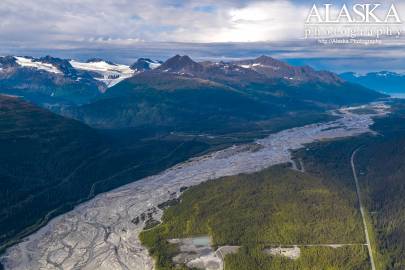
(182, 92)
(177, 93)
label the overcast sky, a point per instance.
(127, 29)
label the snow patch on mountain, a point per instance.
(111, 74)
(259, 65)
(154, 65)
(29, 63)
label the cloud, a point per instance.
(87, 23)
(261, 21)
(71, 22)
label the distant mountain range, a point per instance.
(384, 81)
(179, 93)
(49, 80)
(188, 95)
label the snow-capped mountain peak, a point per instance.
(144, 64)
(182, 65)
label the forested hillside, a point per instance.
(49, 163)
(40, 154)
(381, 167)
(277, 206)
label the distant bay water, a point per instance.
(397, 95)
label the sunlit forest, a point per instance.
(277, 206)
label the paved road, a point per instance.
(370, 252)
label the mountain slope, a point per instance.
(50, 81)
(182, 94)
(48, 163)
(46, 80)
(273, 68)
(170, 101)
(179, 94)
(39, 151)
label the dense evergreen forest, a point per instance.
(383, 179)
(312, 258)
(277, 206)
(381, 167)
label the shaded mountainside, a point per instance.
(39, 151)
(194, 105)
(47, 81)
(185, 95)
(48, 163)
